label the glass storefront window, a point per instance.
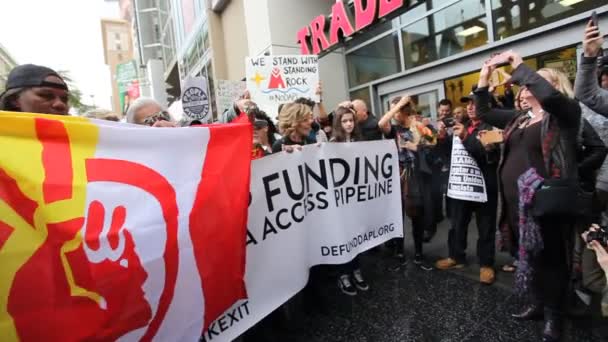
(362, 94)
(374, 61)
(452, 30)
(374, 31)
(513, 17)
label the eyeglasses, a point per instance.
(163, 115)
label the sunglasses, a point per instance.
(163, 115)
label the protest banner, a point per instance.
(107, 234)
(466, 180)
(195, 99)
(323, 205)
(226, 92)
(272, 80)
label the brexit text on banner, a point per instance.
(226, 92)
(323, 205)
(272, 80)
(466, 180)
(106, 234)
(195, 99)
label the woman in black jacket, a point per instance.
(540, 143)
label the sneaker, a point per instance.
(398, 264)
(487, 275)
(359, 281)
(423, 265)
(346, 286)
(448, 264)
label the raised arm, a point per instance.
(499, 118)
(586, 87)
(385, 122)
(322, 112)
(565, 109)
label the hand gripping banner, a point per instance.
(113, 232)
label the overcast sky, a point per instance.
(63, 35)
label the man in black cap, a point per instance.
(487, 158)
(35, 89)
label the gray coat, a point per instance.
(588, 91)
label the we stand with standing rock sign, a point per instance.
(273, 80)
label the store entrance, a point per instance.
(426, 98)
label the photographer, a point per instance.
(595, 238)
(487, 157)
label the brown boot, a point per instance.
(448, 264)
(487, 275)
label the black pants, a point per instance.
(418, 227)
(350, 266)
(485, 214)
(552, 272)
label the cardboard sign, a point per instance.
(466, 180)
(226, 92)
(272, 80)
(195, 99)
(324, 205)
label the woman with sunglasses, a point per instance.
(148, 112)
(540, 143)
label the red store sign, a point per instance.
(366, 13)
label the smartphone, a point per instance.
(594, 19)
(500, 60)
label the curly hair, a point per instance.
(291, 115)
(338, 133)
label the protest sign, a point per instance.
(195, 99)
(323, 205)
(272, 80)
(226, 92)
(128, 84)
(466, 180)
(107, 234)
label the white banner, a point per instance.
(466, 180)
(272, 80)
(195, 99)
(323, 205)
(226, 92)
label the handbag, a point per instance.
(562, 198)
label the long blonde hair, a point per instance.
(560, 80)
(291, 115)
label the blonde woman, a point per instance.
(295, 123)
(407, 137)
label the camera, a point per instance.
(600, 236)
(449, 122)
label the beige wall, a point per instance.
(229, 41)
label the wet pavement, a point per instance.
(409, 305)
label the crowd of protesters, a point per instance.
(546, 175)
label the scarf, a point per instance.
(530, 237)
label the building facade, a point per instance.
(118, 49)
(7, 63)
(374, 49)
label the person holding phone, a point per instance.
(413, 189)
(540, 143)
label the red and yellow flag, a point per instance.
(111, 231)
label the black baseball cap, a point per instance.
(30, 75)
(470, 97)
